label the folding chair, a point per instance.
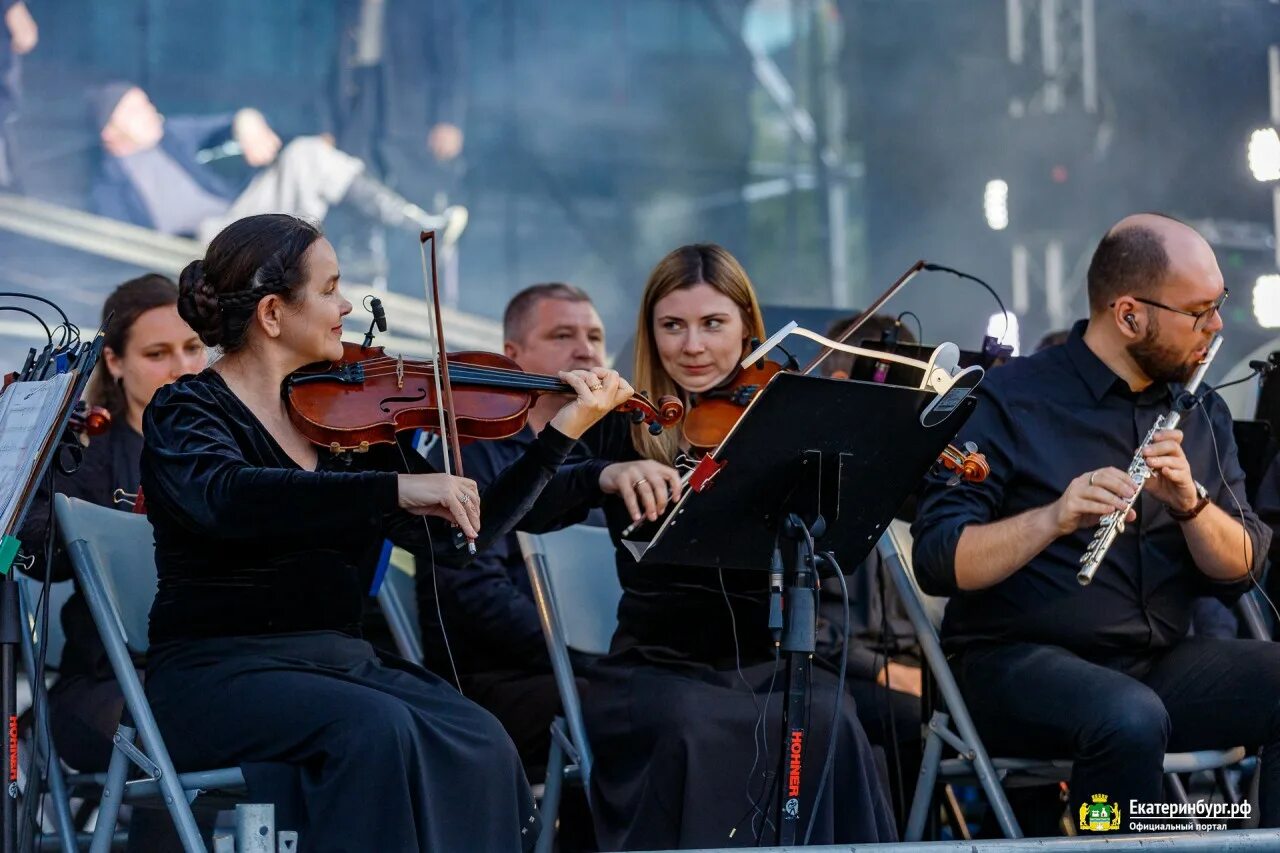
(576, 589)
(894, 547)
(399, 607)
(113, 554)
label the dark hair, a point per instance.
(1128, 260)
(874, 328)
(124, 306)
(249, 259)
(1053, 339)
(515, 318)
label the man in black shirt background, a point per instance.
(487, 606)
(1107, 674)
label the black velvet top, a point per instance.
(247, 542)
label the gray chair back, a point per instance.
(399, 606)
(584, 586)
(123, 547)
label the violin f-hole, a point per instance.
(386, 409)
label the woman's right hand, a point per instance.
(444, 496)
(645, 486)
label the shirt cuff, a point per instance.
(552, 447)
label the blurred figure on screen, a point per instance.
(155, 171)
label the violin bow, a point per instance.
(866, 315)
(452, 454)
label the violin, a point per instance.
(369, 396)
(89, 420)
(713, 413)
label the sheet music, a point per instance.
(29, 414)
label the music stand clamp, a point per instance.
(813, 465)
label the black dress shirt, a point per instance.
(249, 543)
(1043, 421)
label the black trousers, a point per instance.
(1117, 718)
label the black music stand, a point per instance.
(81, 360)
(813, 465)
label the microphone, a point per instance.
(374, 304)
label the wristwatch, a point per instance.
(1203, 502)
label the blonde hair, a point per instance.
(700, 263)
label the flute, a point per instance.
(1139, 472)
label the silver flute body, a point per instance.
(1139, 472)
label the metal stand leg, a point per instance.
(45, 754)
(10, 638)
(797, 646)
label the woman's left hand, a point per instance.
(600, 391)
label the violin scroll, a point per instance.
(965, 463)
(665, 413)
(89, 420)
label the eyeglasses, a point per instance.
(1201, 317)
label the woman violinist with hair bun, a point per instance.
(265, 547)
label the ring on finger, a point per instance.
(464, 499)
(1091, 476)
(638, 483)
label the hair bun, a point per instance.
(198, 304)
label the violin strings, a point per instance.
(478, 377)
(389, 366)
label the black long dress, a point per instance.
(256, 654)
(674, 711)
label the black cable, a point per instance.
(48, 334)
(435, 587)
(1003, 313)
(1244, 535)
(830, 559)
(66, 321)
(1252, 375)
(919, 325)
(737, 663)
(757, 738)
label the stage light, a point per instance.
(1008, 336)
(995, 204)
(1264, 154)
(1266, 301)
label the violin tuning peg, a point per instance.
(953, 480)
(655, 428)
(637, 416)
(970, 447)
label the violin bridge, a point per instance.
(400, 372)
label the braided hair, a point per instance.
(250, 259)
